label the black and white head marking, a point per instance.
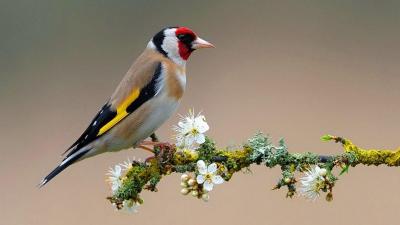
(167, 44)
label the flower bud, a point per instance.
(287, 180)
(185, 177)
(184, 184)
(329, 197)
(290, 194)
(195, 193)
(191, 182)
(205, 197)
(184, 191)
(139, 201)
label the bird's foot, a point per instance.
(148, 159)
(146, 148)
(163, 152)
(145, 145)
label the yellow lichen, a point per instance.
(236, 155)
(235, 160)
(373, 156)
(185, 156)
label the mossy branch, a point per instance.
(258, 150)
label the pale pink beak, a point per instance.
(201, 43)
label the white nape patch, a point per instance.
(151, 44)
(170, 32)
(170, 46)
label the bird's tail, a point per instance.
(63, 165)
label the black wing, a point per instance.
(105, 115)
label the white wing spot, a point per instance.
(94, 123)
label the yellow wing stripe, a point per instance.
(121, 112)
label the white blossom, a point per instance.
(190, 130)
(208, 175)
(312, 182)
(115, 178)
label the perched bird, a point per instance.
(146, 97)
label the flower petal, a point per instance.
(115, 185)
(208, 185)
(179, 141)
(217, 179)
(189, 140)
(200, 139)
(200, 179)
(201, 167)
(212, 168)
(117, 170)
(187, 128)
(189, 120)
(200, 124)
(181, 124)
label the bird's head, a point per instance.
(177, 43)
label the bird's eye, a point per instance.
(181, 36)
(185, 38)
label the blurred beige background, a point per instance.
(296, 69)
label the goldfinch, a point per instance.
(146, 97)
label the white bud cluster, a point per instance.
(190, 186)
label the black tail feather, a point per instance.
(64, 164)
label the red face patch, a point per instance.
(184, 51)
(185, 37)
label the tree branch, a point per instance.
(258, 150)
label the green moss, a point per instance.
(206, 150)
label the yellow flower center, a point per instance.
(319, 185)
(194, 131)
